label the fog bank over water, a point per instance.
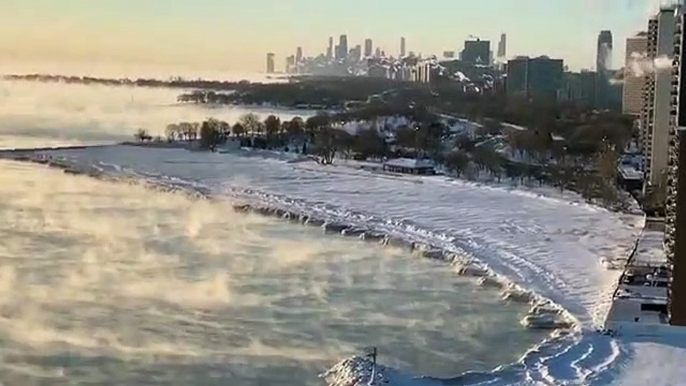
(101, 69)
(44, 114)
(114, 283)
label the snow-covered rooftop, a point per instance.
(629, 172)
(409, 163)
(650, 249)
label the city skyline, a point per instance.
(235, 37)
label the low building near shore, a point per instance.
(639, 306)
(409, 166)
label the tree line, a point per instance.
(541, 157)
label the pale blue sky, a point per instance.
(235, 34)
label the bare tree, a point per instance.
(457, 162)
(606, 163)
(224, 130)
(406, 137)
(238, 130)
(295, 127)
(171, 131)
(142, 135)
(210, 134)
(251, 123)
(327, 142)
(272, 125)
(195, 130)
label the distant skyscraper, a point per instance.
(368, 48)
(579, 87)
(329, 50)
(604, 53)
(636, 50)
(270, 63)
(290, 64)
(603, 65)
(502, 46)
(299, 55)
(534, 78)
(342, 51)
(356, 53)
(477, 52)
(403, 47)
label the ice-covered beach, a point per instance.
(535, 239)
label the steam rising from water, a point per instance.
(115, 284)
(44, 114)
(641, 65)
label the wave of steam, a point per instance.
(121, 271)
(50, 114)
(641, 65)
(79, 235)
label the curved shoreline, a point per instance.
(420, 242)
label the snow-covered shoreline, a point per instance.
(582, 354)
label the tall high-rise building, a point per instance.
(657, 97)
(579, 87)
(634, 82)
(342, 51)
(502, 46)
(534, 78)
(603, 66)
(675, 207)
(329, 49)
(477, 52)
(299, 55)
(368, 48)
(290, 65)
(356, 53)
(270, 63)
(403, 47)
(604, 51)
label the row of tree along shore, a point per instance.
(492, 150)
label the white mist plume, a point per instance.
(641, 65)
(79, 253)
(44, 114)
(653, 6)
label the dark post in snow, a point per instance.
(372, 354)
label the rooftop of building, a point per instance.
(409, 163)
(642, 292)
(630, 172)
